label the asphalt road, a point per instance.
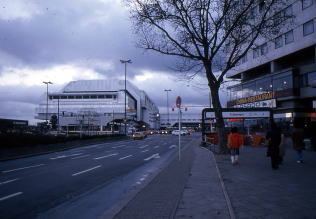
(29, 187)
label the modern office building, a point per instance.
(98, 105)
(280, 72)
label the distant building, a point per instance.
(280, 72)
(13, 125)
(188, 119)
(97, 105)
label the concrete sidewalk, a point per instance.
(257, 191)
(189, 188)
(203, 185)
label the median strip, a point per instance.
(84, 171)
(10, 196)
(22, 168)
(109, 155)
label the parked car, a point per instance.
(139, 135)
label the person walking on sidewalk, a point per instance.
(298, 141)
(274, 139)
(235, 141)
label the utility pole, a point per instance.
(125, 62)
(167, 90)
(47, 82)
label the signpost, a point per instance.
(178, 104)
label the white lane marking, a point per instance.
(8, 181)
(122, 158)
(64, 156)
(173, 146)
(22, 168)
(109, 155)
(84, 171)
(120, 146)
(10, 196)
(152, 156)
(156, 147)
(145, 151)
(144, 146)
(80, 156)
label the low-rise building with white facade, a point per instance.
(97, 105)
(188, 119)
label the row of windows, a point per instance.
(287, 38)
(82, 97)
(275, 83)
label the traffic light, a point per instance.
(185, 108)
(172, 108)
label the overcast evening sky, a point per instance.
(63, 41)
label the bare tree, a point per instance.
(207, 35)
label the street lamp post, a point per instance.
(167, 90)
(125, 62)
(47, 82)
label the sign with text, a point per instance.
(248, 114)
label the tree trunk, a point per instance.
(220, 125)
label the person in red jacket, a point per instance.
(235, 141)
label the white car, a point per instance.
(176, 132)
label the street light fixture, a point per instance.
(47, 82)
(167, 90)
(125, 62)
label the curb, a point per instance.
(228, 201)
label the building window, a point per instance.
(256, 52)
(278, 42)
(311, 77)
(249, 89)
(289, 37)
(78, 97)
(86, 97)
(244, 58)
(100, 96)
(55, 97)
(264, 49)
(63, 97)
(263, 85)
(306, 3)
(282, 83)
(288, 12)
(308, 28)
(71, 97)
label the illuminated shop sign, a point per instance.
(260, 97)
(266, 103)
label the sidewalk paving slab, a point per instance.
(258, 191)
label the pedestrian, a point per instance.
(298, 141)
(282, 147)
(235, 141)
(274, 139)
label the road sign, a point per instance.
(178, 101)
